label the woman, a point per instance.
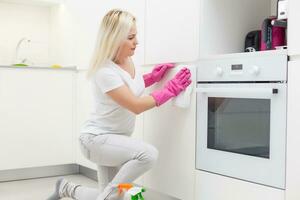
(117, 88)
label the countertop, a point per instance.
(39, 67)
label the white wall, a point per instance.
(224, 24)
(274, 7)
(50, 28)
(63, 36)
(18, 21)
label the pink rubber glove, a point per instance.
(157, 73)
(173, 87)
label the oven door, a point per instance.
(241, 131)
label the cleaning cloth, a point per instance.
(183, 100)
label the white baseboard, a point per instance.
(38, 172)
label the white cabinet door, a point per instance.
(83, 109)
(172, 31)
(293, 136)
(88, 16)
(294, 28)
(215, 187)
(36, 117)
(172, 131)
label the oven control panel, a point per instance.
(269, 67)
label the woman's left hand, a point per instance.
(157, 73)
(160, 70)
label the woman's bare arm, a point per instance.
(124, 97)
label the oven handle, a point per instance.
(252, 91)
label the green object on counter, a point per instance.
(56, 66)
(20, 65)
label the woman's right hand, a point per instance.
(173, 87)
(181, 81)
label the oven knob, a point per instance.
(255, 70)
(219, 71)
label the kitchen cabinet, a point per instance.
(172, 131)
(293, 27)
(139, 134)
(87, 18)
(215, 187)
(172, 31)
(83, 109)
(293, 136)
(36, 117)
(163, 36)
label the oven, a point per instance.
(241, 118)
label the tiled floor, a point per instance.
(37, 189)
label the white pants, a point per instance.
(120, 159)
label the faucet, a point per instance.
(16, 56)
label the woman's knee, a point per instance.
(150, 155)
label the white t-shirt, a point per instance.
(108, 116)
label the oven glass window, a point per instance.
(239, 125)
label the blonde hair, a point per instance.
(114, 29)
